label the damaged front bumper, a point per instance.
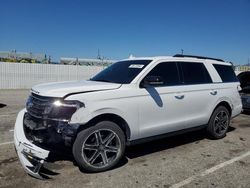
(31, 156)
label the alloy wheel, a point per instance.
(221, 122)
(101, 148)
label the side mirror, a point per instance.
(152, 81)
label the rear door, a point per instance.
(198, 91)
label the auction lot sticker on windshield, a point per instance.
(136, 66)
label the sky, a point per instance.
(78, 28)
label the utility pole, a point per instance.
(98, 54)
(77, 62)
(248, 64)
(182, 51)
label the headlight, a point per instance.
(63, 110)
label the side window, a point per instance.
(195, 73)
(226, 73)
(168, 71)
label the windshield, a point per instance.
(122, 72)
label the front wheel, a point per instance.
(100, 147)
(219, 123)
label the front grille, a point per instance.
(41, 131)
(37, 104)
(47, 134)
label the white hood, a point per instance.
(60, 89)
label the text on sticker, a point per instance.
(136, 66)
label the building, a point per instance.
(23, 57)
(87, 62)
(242, 68)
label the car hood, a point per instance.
(62, 89)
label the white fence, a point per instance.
(24, 76)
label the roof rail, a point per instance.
(199, 57)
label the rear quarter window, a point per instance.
(226, 73)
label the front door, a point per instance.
(161, 107)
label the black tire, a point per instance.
(87, 146)
(216, 128)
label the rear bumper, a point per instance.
(31, 156)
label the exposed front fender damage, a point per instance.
(83, 115)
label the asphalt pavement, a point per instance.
(188, 160)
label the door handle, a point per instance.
(213, 92)
(179, 96)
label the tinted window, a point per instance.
(122, 72)
(168, 72)
(226, 73)
(195, 73)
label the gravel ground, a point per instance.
(188, 160)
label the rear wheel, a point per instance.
(219, 123)
(100, 147)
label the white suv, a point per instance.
(131, 101)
